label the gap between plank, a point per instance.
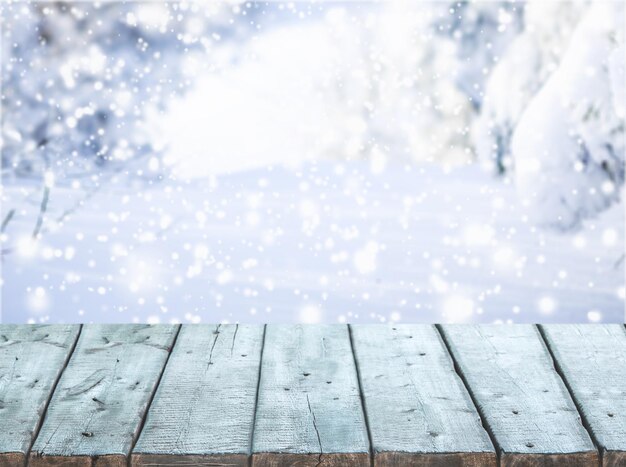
(483, 419)
(256, 400)
(362, 397)
(52, 390)
(559, 371)
(156, 388)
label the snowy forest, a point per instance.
(305, 161)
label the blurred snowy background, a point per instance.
(313, 161)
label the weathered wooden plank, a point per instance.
(31, 361)
(99, 403)
(418, 410)
(592, 360)
(520, 396)
(203, 410)
(309, 408)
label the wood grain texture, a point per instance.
(203, 410)
(309, 408)
(418, 410)
(592, 359)
(31, 360)
(98, 406)
(520, 396)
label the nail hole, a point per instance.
(306, 374)
(516, 412)
(530, 445)
(87, 434)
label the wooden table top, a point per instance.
(312, 395)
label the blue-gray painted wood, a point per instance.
(31, 360)
(203, 410)
(418, 410)
(520, 396)
(99, 403)
(592, 360)
(309, 408)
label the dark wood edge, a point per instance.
(273, 459)
(199, 460)
(423, 459)
(108, 460)
(12, 458)
(573, 459)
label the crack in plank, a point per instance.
(6, 342)
(217, 335)
(88, 383)
(232, 346)
(319, 439)
(111, 344)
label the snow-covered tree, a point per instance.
(79, 76)
(530, 59)
(568, 146)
